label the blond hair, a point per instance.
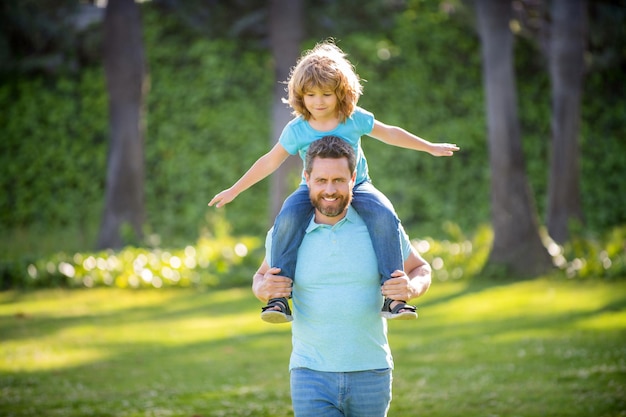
(327, 68)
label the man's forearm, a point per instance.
(257, 280)
(420, 279)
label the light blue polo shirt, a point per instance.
(337, 300)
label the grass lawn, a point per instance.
(531, 348)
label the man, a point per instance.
(341, 361)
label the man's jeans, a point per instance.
(374, 208)
(340, 394)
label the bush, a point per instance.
(226, 261)
(587, 256)
(213, 261)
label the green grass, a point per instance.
(531, 348)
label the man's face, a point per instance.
(330, 188)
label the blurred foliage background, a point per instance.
(208, 119)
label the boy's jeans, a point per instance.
(374, 208)
(340, 394)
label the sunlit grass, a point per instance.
(532, 348)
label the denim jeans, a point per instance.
(374, 208)
(340, 394)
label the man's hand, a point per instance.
(268, 284)
(399, 287)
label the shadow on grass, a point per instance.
(228, 377)
(190, 353)
(218, 371)
(487, 316)
(179, 304)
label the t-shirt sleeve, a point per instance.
(268, 246)
(364, 120)
(405, 243)
(289, 138)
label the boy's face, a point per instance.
(330, 188)
(322, 104)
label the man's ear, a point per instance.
(306, 178)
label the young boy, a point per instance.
(324, 90)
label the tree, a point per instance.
(566, 63)
(286, 23)
(126, 76)
(517, 247)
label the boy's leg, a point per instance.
(383, 225)
(289, 229)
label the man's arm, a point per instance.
(267, 284)
(412, 284)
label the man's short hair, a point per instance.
(330, 147)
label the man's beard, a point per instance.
(330, 209)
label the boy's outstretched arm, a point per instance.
(263, 167)
(396, 136)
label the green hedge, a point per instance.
(208, 121)
(53, 150)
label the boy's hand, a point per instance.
(443, 149)
(223, 198)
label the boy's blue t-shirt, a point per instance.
(298, 135)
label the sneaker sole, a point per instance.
(275, 317)
(400, 316)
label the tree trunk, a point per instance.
(125, 72)
(566, 60)
(286, 23)
(517, 248)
